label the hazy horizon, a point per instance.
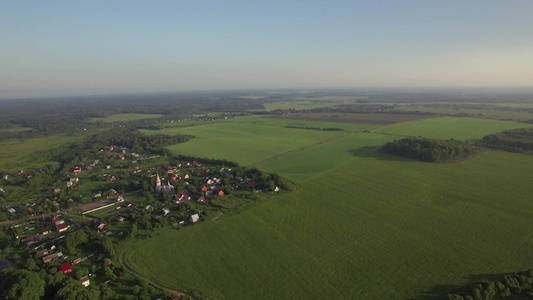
(65, 48)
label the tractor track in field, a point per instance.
(160, 286)
(300, 149)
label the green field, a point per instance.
(318, 160)
(311, 102)
(24, 154)
(374, 228)
(125, 117)
(251, 139)
(482, 113)
(15, 129)
(450, 127)
(362, 225)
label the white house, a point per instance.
(85, 281)
(194, 218)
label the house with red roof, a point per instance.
(66, 268)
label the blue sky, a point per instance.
(73, 47)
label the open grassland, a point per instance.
(311, 102)
(450, 127)
(25, 154)
(354, 118)
(15, 129)
(125, 117)
(324, 157)
(185, 123)
(317, 160)
(362, 225)
(517, 104)
(248, 140)
(483, 113)
(302, 104)
(373, 228)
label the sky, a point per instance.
(59, 48)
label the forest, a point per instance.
(431, 150)
(44, 117)
(518, 283)
(517, 140)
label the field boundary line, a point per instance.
(122, 260)
(300, 149)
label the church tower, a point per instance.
(158, 184)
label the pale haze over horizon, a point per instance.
(55, 48)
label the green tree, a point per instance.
(134, 231)
(81, 273)
(136, 290)
(149, 198)
(31, 264)
(21, 284)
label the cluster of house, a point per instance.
(66, 267)
(26, 175)
(72, 183)
(60, 226)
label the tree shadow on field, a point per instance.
(376, 153)
(441, 291)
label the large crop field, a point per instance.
(362, 225)
(251, 139)
(320, 159)
(450, 127)
(374, 228)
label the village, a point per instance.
(111, 197)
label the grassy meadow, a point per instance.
(482, 113)
(373, 228)
(322, 158)
(450, 127)
(251, 139)
(25, 154)
(311, 102)
(362, 224)
(15, 129)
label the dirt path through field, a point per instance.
(178, 294)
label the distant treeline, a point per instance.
(314, 128)
(72, 115)
(433, 150)
(517, 140)
(519, 283)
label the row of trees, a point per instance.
(315, 128)
(433, 150)
(517, 140)
(519, 283)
